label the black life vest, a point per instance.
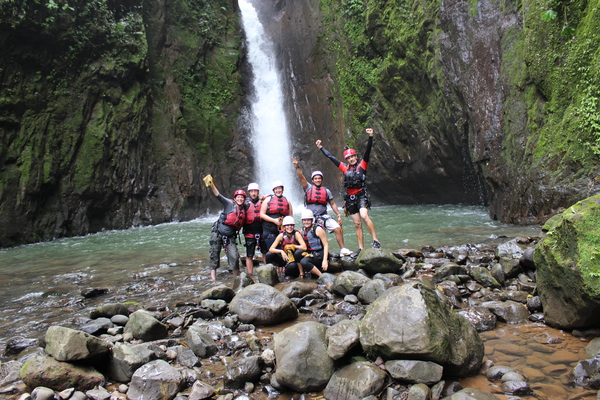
(312, 240)
(278, 207)
(354, 178)
(316, 195)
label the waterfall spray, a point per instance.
(270, 135)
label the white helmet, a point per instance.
(288, 220)
(277, 184)
(307, 214)
(253, 186)
(316, 173)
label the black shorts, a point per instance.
(251, 245)
(357, 201)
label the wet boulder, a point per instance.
(305, 341)
(9, 372)
(65, 344)
(415, 371)
(199, 339)
(127, 358)
(481, 318)
(17, 344)
(568, 266)
(484, 277)
(508, 311)
(261, 304)
(342, 337)
(371, 290)
(378, 261)
(355, 382)
(471, 394)
(587, 373)
(220, 292)
(297, 289)
(410, 321)
(247, 369)
(447, 270)
(57, 375)
(142, 325)
(349, 282)
(267, 274)
(156, 380)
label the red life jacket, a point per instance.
(252, 212)
(235, 218)
(316, 195)
(289, 240)
(278, 206)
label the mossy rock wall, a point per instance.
(568, 266)
(111, 112)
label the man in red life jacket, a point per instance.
(253, 229)
(272, 211)
(316, 198)
(225, 229)
(357, 201)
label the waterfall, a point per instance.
(269, 129)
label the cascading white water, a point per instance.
(270, 135)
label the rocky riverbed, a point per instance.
(458, 322)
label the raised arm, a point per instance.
(369, 145)
(328, 154)
(303, 181)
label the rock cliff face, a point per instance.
(111, 112)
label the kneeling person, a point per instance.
(316, 259)
(286, 251)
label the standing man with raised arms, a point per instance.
(316, 197)
(357, 201)
(225, 229)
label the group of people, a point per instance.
(268, 224)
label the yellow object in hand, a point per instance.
(208, 180)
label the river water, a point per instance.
(162, 266)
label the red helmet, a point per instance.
(349, 152)
(239, 191)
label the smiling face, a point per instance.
(352, 159)
(239, 199)
(289, 228)
(278, 191)
(317, 180)
(307, 223)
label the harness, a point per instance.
(316, 195)
(233, 221)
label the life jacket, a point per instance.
(316, 195)
(354, 178)
(233, 221)
(252, 211)
(278, 207)
(289, 240)
(312, 240)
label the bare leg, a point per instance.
(359, 230)
(213, 274)
(339, 237)
(236, 273)
(250, 265)
(364, 214)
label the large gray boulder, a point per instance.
(261, 304)
(302, 361)
(142, 325)
(57, 375)
(568, 267)
(355, 382)
(220, 292)
(372, 290)
(199, 339)
(65, 344)
(127, 358)
(349, 282)
(415, 371)
(156, 380)
(410, 321)
(378, 261)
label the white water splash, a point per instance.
(270, 134)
